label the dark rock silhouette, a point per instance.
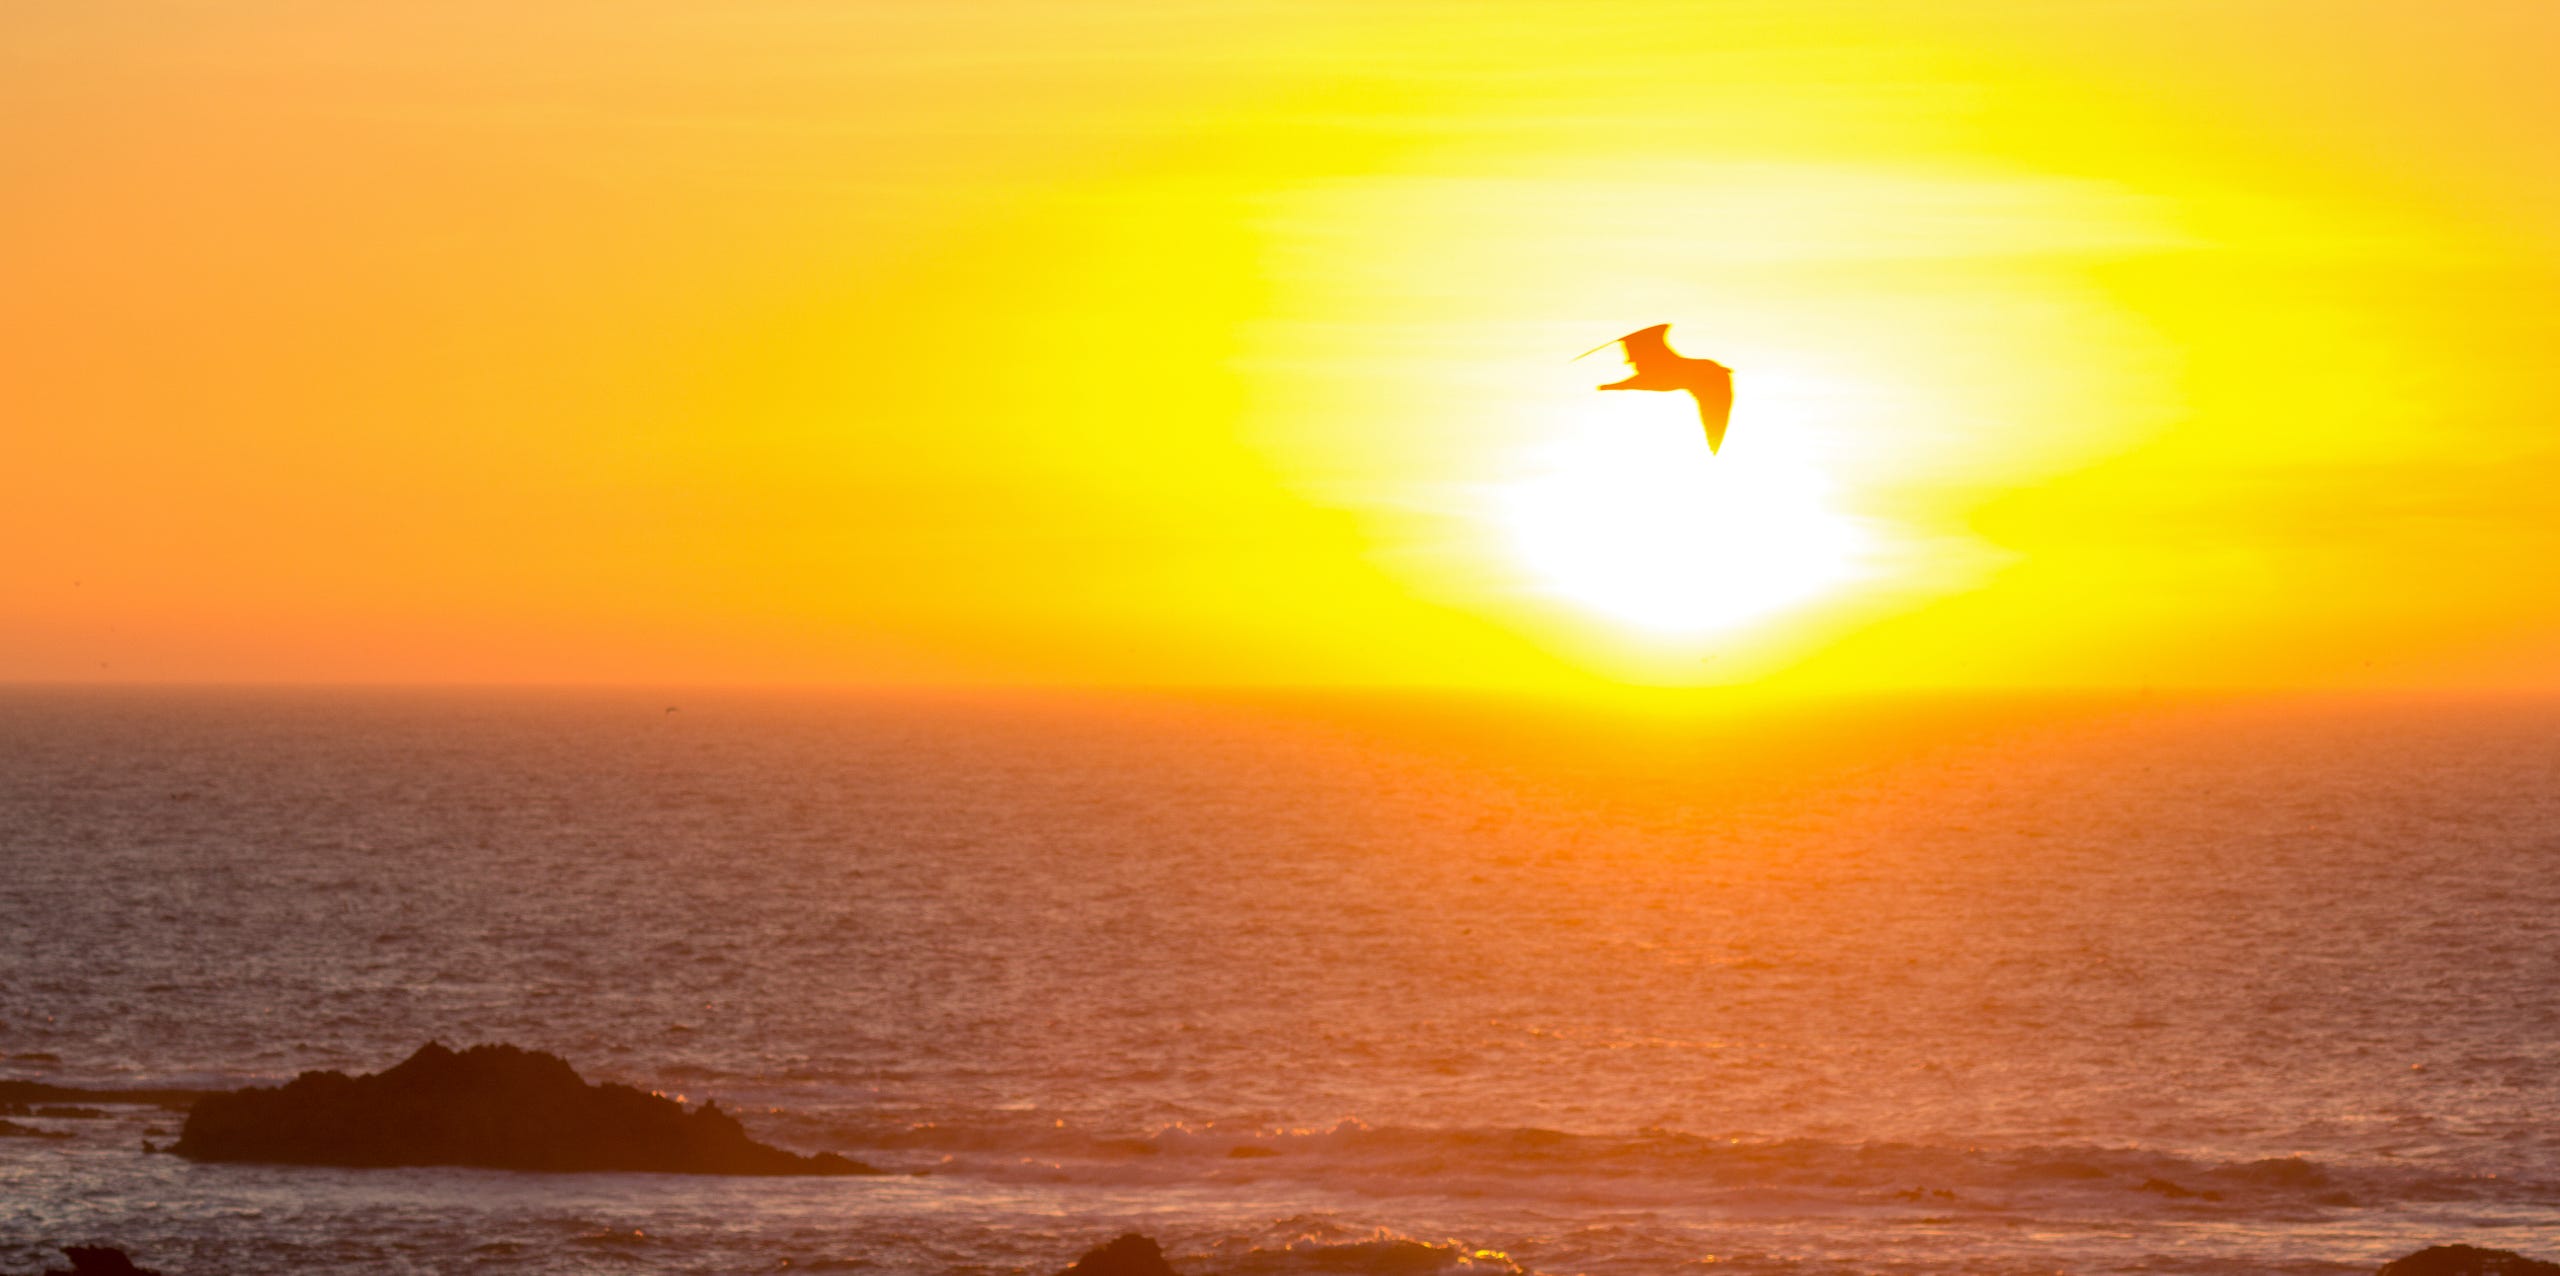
(2464, 1260)
(1129, 1255)
(494, 1106)
(98, 1260)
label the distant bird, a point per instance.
(1658, 368)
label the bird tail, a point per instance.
(1715, 411)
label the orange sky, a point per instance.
(2197, 343)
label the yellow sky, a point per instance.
(2194, 343)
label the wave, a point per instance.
(1314, 1244)
(1667, 1167)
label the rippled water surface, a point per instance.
(1317, 984)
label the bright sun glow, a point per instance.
(1628, 516)
(2072, 346)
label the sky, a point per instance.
(2174, 343)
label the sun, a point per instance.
(1626, 516)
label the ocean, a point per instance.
(1366, 983)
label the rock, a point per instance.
(2464, 1260)
(99, 1260)
(1130, 1255)
(495, 1106)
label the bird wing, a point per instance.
(1648, 349)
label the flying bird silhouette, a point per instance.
(1657, 367)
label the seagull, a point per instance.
(1659, 368)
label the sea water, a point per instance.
(1389, 983)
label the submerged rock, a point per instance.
(2464, 1260)
(497, 1106)
(99, 1260)
(1129, 1255)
